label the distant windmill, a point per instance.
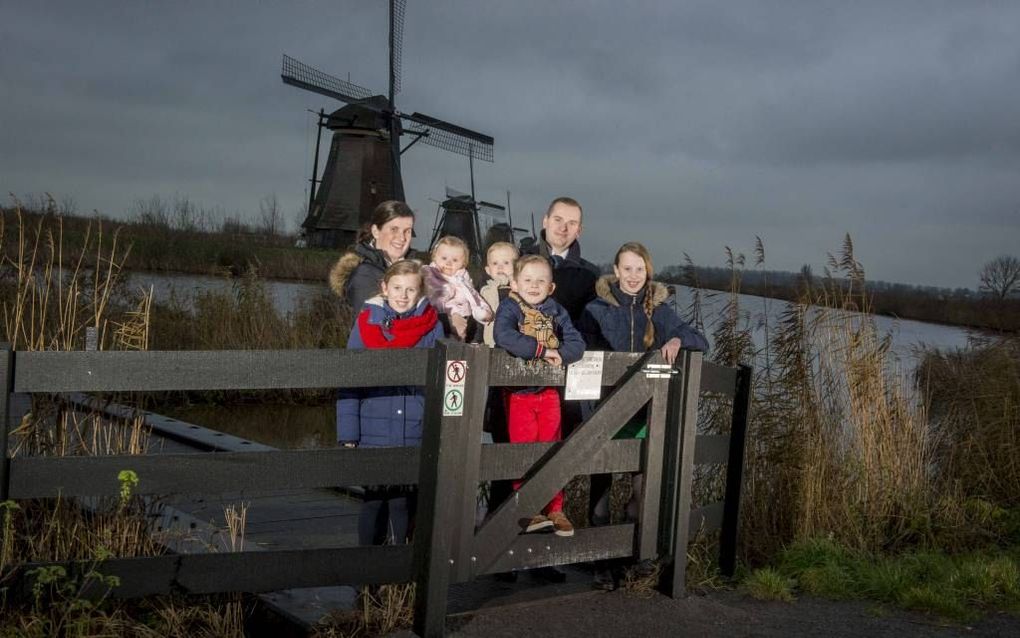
(363, 167)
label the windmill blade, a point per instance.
(397, 10)
(301, 75)
(450, 137)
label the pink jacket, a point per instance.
(455, 295)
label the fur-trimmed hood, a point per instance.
(341, 272)
(604, 291)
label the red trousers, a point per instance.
(534, 417)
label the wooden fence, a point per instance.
(448, 467)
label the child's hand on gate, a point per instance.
(552, 356)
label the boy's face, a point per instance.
(402, 292)
(534, 283)
(450, 259)
(500, 264)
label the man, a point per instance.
(574, 276)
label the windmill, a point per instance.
(363, 165)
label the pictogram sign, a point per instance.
(453, 391)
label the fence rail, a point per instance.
(447, 468)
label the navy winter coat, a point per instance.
(573, 275)
(507, 332)
(616, 321)
(389, 416)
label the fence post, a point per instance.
(735, 474)
(652, 466)
(7, 387)
(442, 534)
(683, 420)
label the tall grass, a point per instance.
(838, 444)
(46, 306)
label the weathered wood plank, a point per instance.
(718, 379)
(248, 473)
(153, 371)
(685, 476)
(652, 464)
(505, 461)
(735, 473)
(6, 383)
(707, 518)
(586, 545)
(505, 370)
(440, 482)
(712, 449)
(39, 477)
(249, 571)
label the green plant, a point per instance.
(769, 584)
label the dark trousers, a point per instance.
(386, 516)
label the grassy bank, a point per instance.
(958, 587)
(163, 243)
(853, 476)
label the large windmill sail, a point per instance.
(363, 167)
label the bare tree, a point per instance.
(1001, 276)
(270, 216)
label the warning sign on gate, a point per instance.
(453, 391)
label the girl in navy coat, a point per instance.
(400, 317)
(629, 314)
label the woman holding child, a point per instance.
(629, 314)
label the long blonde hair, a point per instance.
(642, 252)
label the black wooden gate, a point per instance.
(448, 468)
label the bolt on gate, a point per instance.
(447, 548)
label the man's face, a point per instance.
(562, 226)
(534, 283)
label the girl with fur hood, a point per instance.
(386, 239)
(629, 314)
(401, 317)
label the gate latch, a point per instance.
(659, 371)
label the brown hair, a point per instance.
(404, 267)
(566, 201)
(383, 214)
(499, 245)
(642, 252)
(530, 259)
(451, 240)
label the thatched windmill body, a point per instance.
(363, 165)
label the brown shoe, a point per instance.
(537, 524)
(561, 524)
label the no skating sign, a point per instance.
(453, 391)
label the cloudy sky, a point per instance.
(688, 125)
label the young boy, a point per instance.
(499, 265)
(531, 325)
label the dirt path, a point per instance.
(722, 614)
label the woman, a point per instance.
(629, 314)
(385, 240)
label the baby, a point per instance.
(449, 287)
(499, 265)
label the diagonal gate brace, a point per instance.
(553, 471)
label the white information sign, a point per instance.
(584, 378)
(453, 391)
